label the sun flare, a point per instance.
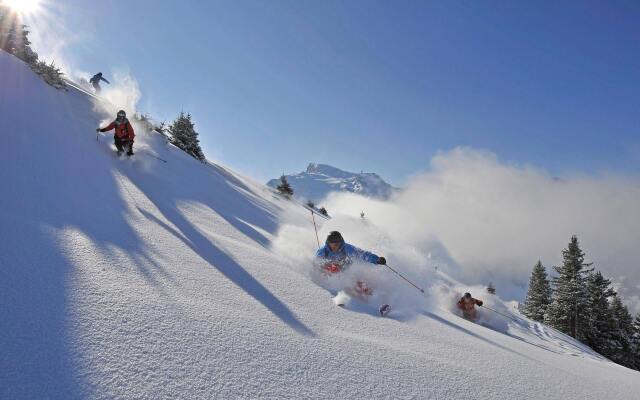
(22, 6)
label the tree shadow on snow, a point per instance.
(223, 192)
(54, 186)
(185, 231)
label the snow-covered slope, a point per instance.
(140, 279)
(319, 180)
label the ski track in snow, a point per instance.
(130, 278)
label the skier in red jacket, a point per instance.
(467, 305)
(124, 133)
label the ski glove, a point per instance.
(97, 129)
(382, 261)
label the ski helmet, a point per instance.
(122, 114)
(335, 237)
(467, 295)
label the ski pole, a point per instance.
(401, 276)
(315, 228)
(156, 157)
(499, 313)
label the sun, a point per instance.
(22, 6)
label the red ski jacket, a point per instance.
(123, 129)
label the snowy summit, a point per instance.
(321, 179)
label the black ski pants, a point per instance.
(123, 144)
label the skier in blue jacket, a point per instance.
(95, 81)
(336, 255)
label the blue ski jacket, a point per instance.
(345, 254)
(97, 78)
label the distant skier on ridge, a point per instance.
(467, 305)
(95, 81)
(336, 255)
(123, 135)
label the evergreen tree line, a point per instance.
(581, 303)
(14, 39)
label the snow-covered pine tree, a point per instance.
(622, 333)
(14, 36)
(50, 74)
(635, 342)
(566, 312)
(284, 188)
(538, 295)
(184, 136)
(598, 329)
(14, 39)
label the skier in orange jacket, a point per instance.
(467, 305)
(124, 133)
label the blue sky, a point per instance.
(378, 86)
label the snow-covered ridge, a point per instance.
(320, 179)
(133, 278)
